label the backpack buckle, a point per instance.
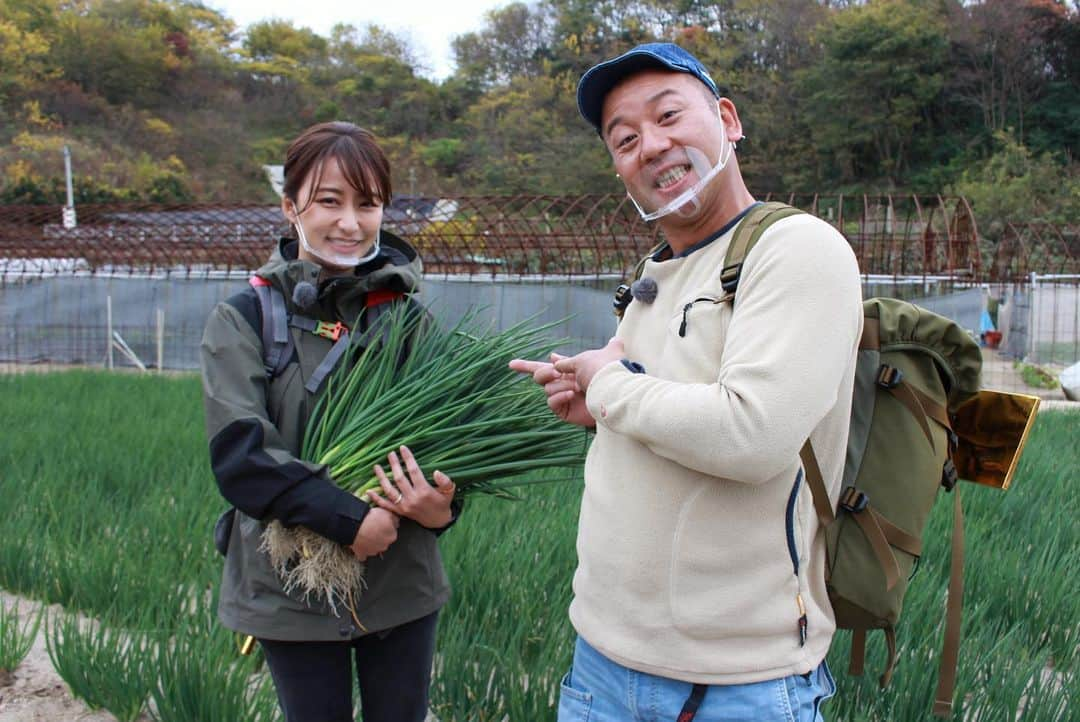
(729, 277)
(623, 297)
(853, 500)
(949, 476)
(329, 330)
(954, 440)
(889, 377)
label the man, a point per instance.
(700, 584)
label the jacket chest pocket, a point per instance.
(697, 330)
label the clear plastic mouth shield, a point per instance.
(334, 259)
(687, 203)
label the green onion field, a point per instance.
(107, 506)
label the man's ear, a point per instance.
(730, 118)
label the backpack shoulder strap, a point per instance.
(950, 650)
(277, 341)
(278, 344)
(747, 233)
(640, 267)
(376, 303)
(623, 294)
(816, 481)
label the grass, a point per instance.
(16, 638)
(1036, 376)
(111, 515)
(1020, 601)
(103, 665)
(110, 508)
(202, 678)
(505, 626)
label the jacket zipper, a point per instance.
(686, 309)
(793, 552)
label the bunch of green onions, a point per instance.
(446, 394)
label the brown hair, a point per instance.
(361, 159)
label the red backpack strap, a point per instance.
(375, 300)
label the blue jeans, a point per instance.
(599, 690)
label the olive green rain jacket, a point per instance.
(255, 427)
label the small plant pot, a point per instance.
(992, 339)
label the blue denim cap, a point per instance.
(598, 80)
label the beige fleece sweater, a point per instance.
(692, 523)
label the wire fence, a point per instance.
(551, 236)
(131, 284)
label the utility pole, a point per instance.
(68, 213)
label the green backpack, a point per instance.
(914, 369)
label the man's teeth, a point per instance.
(671, 176)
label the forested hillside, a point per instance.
(167, 100)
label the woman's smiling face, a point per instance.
(336, 220)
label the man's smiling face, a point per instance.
(649, 121)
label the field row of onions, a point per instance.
(108, 505)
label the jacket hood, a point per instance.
(397, 267)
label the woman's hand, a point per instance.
(410, 495)
(377, 532)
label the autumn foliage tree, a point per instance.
(168, 99)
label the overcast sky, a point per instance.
(427, 24)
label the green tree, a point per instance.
(347, 43)
(279, 50)
(371, 76)
(1014, 185)
(872, 93)
(586, 32)
(512, 44)
(53, 191)
(24, 61)
(520, 141)
(136, 51)
(756, 50)
(1006, 55)
(445, 155)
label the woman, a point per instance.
(336, 183)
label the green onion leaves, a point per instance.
(450, 397)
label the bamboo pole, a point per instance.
(129, 353)
(108, 329)
(161, 340)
